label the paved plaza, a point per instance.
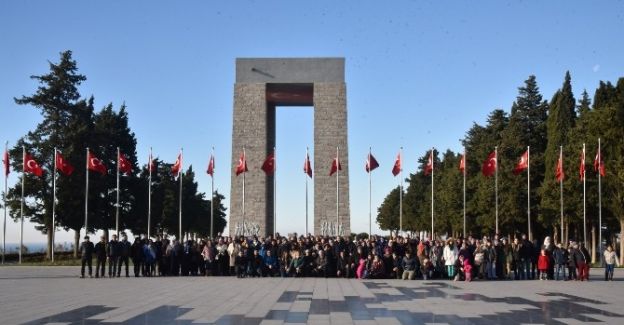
(55, 295)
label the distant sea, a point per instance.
(36, 247)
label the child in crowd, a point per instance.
(426, 269)
(542, 265)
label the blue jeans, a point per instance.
(609, 271)
(525, 269)
(560, 268)
(490, 269)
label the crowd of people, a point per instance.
(313, 256)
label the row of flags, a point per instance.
(489, 166)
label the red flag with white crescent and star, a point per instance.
(599, 164)
(5, 161)
(522, 164)
(371, 163)
(211, 166)
(335, 166)
(398, 162)
(124, 164)
(151, 167)
(62, 165)
(429, 165)
(177, 166)
(582, 166)
(462, 163)
(559, 173)
(96, 164)
(31, 166)
(242, 164)
(490, 165)
(269, 164)
(307, 166)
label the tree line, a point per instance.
(71, 123)
(544, 126)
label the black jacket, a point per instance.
(86, 249)
(100, 250)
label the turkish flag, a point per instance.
(151, 167)
(599, 164)
(429, 165)
(522, 164)
(582, 167)
(5, 161)
(211, 166)
(396, 169)
(490, 165)
(124, 164)
(307, 166)
(31, 166)
(95, 164)
(62, 165)
(371, 163)
(242, 165)
(269, 164)
(462, 163)
(335, 166)
(177, 166)
(559, 174)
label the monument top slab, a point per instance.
(289, 70)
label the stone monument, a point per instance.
(262, 85)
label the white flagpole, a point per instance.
(561, 191)
(432, 170)
(53, 205)
(180, 173)
(529, 191)
(599, 201)
(496, 186)
(306, 191)
(212, 233)
(6, 149)
(149, 194)
(22, 204)
(370, 196)
(244, 164)
(87, 194)
(464, 172)
(117, 204)
(584, 204)
(274, 192)
(401, 191)
(337, 195)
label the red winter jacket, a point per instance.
(542, 262)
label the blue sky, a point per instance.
(418, 73)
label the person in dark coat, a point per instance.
(124, 254)
(256, 264)
(137, 256)
(113, 255)
(100, 255)
(86, 250)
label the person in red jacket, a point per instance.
(542, 265)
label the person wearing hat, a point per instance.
(86, 250)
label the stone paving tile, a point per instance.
(62, 299)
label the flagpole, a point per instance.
(561, 190)
(6, 176)
(529, 191)
(337, 195)
(401, 191)
(244, 172)
(432, 171)
(584, 204)
(496, 186)
(599, 201)
(149, 194)
(53, 205)
(464, 172)
(180, 174)
(306, 191)
(212, 233)
(87, 195)
(22, 204)
(370, 195)
(117, 204)
(274, 192)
